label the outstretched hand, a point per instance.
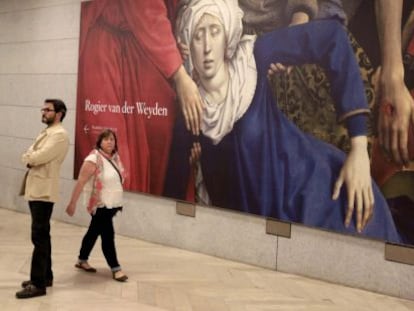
(355, 174)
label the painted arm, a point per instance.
(326, 44)
(396, 110)
(152, 28)
(299, 14)
(319, 42)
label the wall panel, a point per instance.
(38, 59)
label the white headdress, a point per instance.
(218, 119)
(227, 11)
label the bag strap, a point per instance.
(115, 167)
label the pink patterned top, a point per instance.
(106, 185)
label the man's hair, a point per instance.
(58, 105)
(106, 133)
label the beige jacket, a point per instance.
(45, 157)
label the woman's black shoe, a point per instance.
(81, 266)
(121, 278)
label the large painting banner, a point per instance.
(298, 109)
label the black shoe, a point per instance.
(81, 265)
(49, 283)
(122, 278)
(30, 291)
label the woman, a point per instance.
(102, 170)
(255, 160)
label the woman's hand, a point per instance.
(299, 18)
(71, 208)
(190, 100)
(184, 49)
(195, 154)
(355, 173)
(278, 68)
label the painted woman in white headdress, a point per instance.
(254, 159)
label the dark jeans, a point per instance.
(41, 269)
(101, 224)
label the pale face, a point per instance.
(48, 114)
(108, 144)
(208, 47)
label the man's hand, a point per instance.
(395, 114)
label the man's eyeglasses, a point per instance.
(46, 110)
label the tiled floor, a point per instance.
(163, 278)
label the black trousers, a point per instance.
(41, 268)
(101, 224)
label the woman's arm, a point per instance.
(326, 44)
(87, 171)
(297, 18)
(152, 28)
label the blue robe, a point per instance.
(266, 165)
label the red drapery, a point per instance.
(127, 53)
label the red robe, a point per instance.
(127, 53)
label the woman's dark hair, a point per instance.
(58, 105)
(106, 133)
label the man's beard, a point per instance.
(48, 121)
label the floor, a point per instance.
(163, 278)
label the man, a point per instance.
(44, 159)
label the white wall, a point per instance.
(38, 59)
